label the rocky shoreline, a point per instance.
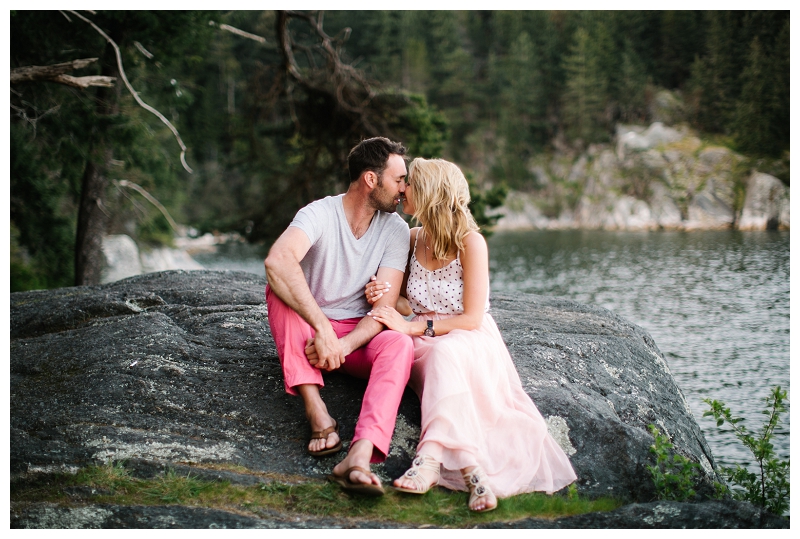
(650, 178)
(178, 369)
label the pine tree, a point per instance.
(521, 117)
(586, 90)
(631, 86)
(751, 121)
(715, 77)
(779, 91)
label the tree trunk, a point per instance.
(91, 223)
(92, 216)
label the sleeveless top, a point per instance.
(440, 291)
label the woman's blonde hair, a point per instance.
(441, 203)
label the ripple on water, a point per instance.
(716, 303)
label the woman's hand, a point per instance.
(389, 317)
(374, 290)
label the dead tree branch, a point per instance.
(57, 73)
(150, 198)
(350, 89)
(134, 93)
(23, 115)
(238, 32)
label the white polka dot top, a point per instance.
(440, 291)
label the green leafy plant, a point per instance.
(770, 487)
(674, 476)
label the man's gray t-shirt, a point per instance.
(338, 266)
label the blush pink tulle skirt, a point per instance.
(475, 412)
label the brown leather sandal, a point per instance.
(323, 435)
(367, 489)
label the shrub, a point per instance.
(674, 475)
(770, 487)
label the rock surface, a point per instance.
(766, 205)
(179, 368)
(708, 515)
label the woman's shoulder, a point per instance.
(474, 240)
(474, 246)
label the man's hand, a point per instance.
(324, 352)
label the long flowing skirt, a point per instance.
(474, 411)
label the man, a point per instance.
(316, 272)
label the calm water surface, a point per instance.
(716, 303)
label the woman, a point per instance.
(479, 427)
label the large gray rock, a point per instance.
(179, 368)
(766, 205)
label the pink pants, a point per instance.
(385, 362)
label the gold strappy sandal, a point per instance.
(478, 486)
(419, 464)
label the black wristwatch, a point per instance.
(429, 330)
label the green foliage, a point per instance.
(489, 90)
(42, 229)
(423, 129)
(769, 488)
(586, 90)
(674, 475)
(481, 201)
(631, 86)
(739, 83)
(751, 122)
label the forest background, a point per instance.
(268, 104)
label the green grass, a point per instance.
(113, 484)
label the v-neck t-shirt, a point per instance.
(338, 266)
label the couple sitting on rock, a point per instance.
(340, 280)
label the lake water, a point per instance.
(715, 302)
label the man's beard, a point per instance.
(380, 201)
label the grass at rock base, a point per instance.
(113, 484)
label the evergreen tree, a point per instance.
(521, 118)
(682, 36)
(778, 94)
(631, 87)
(586, 90)
(715, 75)
(751, 123)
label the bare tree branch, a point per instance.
(56, 73)
(23, 114)
(238, 32)
(150, 198)
(144, 51)
(134, 93)
(352, 91)
(86, 82)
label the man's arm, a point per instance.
(286, 279)
(367, 328)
